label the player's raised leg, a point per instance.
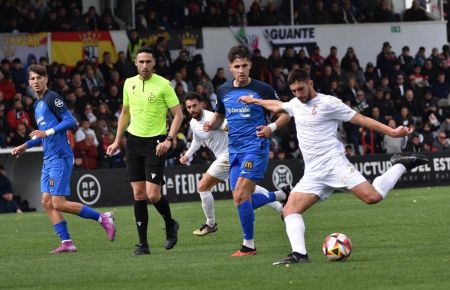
(273, 199)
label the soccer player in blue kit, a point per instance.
(53, 119)
(248, 146)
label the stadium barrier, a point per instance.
(110, 187)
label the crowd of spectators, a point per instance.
(58, 15)
(409, 89)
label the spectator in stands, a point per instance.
(415, 13)
(178, 79)
(3, 125)
(393, 145)
(357, 73)
(86, 153)
(113, 97)
(17, 116)
(412, 104)
(91, 80)
(420, 56)
(135, 42)
(398, 89)
(429, 71)
(162, 68)
(104, 113)
(219, 78)
(237, 16)
(6, 86)
(320, 14)
(441, 142)
(89, 113)
(336, 13)
(92, 18)
(348, 58)
(360, 104)
(19, 76)
(124, 66)
(107, 22)
(161, 51)
(385, 59)
(406, 60)
(7, 202)
(106, 66)
(85, 130)
(349, 12)
(260, 67)
(271, 15)
(440, 88)
(414, 144)
(181, 61)
(20, 135)
(384, 13)
(332, 58)
(213, 17)
(349, 90)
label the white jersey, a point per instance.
(316, 123)
(216, 140)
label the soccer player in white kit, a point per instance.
(217, 141)
(326, 167)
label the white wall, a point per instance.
(366, 39)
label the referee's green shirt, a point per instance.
(149, 102)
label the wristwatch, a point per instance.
(169, 138)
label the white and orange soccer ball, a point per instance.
(337, 247)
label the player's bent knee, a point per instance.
(373, 198)
(59, 205)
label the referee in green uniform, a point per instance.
(147, 97)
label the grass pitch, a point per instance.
(401, 243)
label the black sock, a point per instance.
(141, 216)
(163, 207)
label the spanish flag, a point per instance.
(70, 47)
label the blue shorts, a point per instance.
(55, 177)
(249, 165)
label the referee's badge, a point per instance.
(151, 98)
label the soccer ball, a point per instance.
(337, 247)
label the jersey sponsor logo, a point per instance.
(51, 182)
(59, 103)
(314, 109)
(248, 165)
(281, 176)
(133, 86)
(151, 98)
(88, 189)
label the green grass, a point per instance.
(401, 243)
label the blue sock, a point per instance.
(260, 199)
(247, 218)
(61, 230)
(88, 213)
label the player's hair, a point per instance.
(193, 96)
(145, 49)
(298, 75)
(238, 51)
(37, 69)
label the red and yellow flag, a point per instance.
(70, 47)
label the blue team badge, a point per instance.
(151, 98)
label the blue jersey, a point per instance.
(242, 118)
(50, 111)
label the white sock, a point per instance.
(295, 229)
(262, 190)
(276, 205)
(385, 182)
(208, 207)
(280, 195)
(249, 243)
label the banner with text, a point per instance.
(23, 45)
(109, 187)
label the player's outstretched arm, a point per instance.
(370, 123)
(124, 120)
(214, 123)
(271, 105)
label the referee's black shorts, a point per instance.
(142, 162)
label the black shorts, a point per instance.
(142, 162)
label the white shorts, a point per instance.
(220, 168)
(339, 174)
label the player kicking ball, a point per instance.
(54, 119)
(326, 167)
(217, 142)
